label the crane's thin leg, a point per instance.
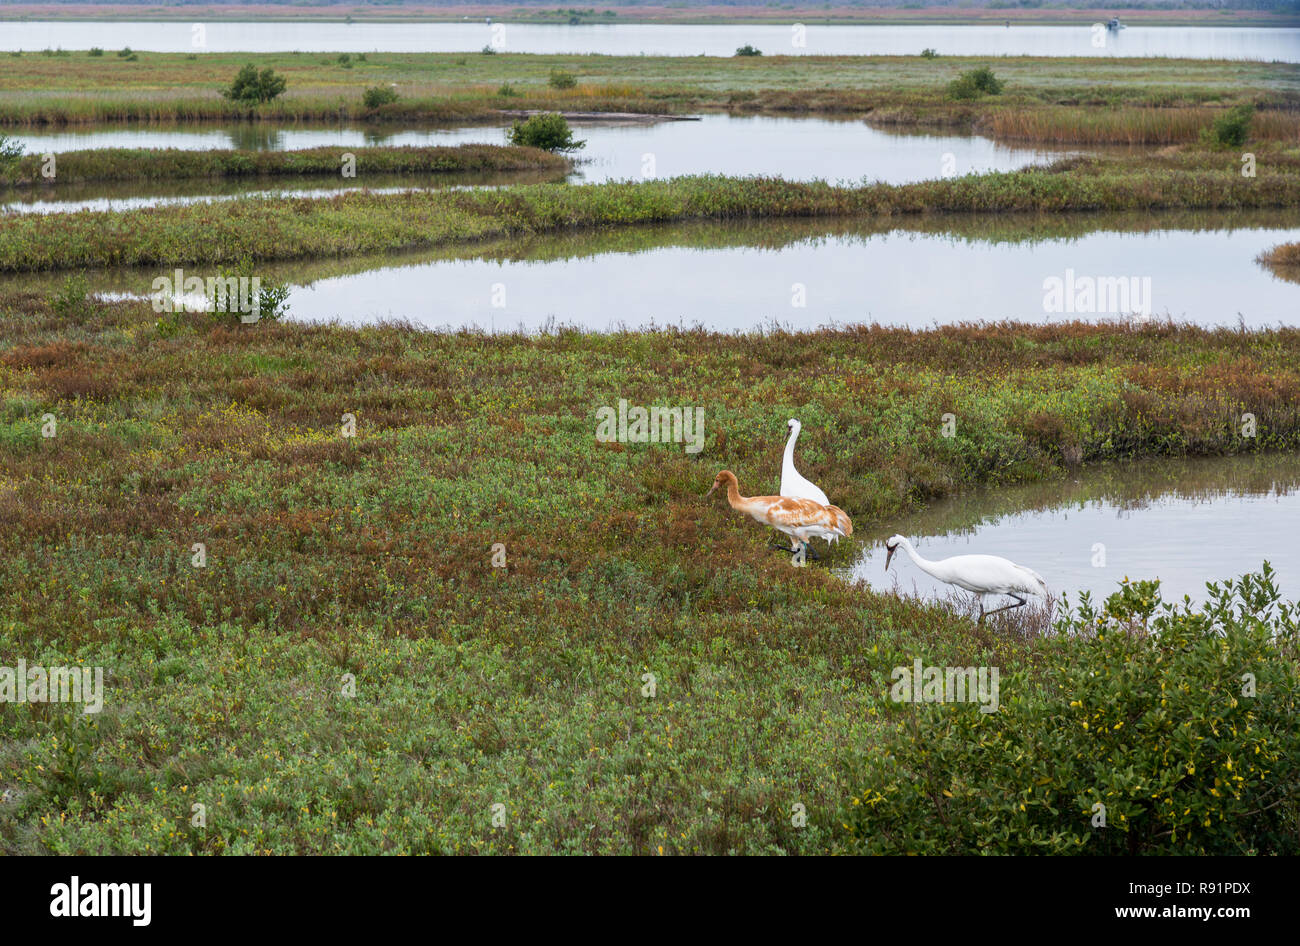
(1020, 603)
(776, 543)
(812, 552)
(980, 622)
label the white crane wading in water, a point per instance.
(982, 574)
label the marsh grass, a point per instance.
(360, 223)
(1283, 261)
(1134, 126)
(1284, 254)
(1057, 99)
(478, 685)
(128, 164)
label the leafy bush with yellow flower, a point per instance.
(1157, 728)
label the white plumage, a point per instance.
(982, 574)
(792, 483)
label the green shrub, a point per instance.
(489, 50)
(748, 50)
(272, 299)
(1232, 129)
(562, 80)
(1180, 721)
(379, 95)
(507, 90)
(928, 53)
(95, 51)
(253, 88)
(125, 52)
(549, 131)
(973, 84)
(70, 299)
(345, 61)
(11, 149)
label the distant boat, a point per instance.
(1115, 25)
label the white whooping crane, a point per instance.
(982, 574)
(792, 484)
(801, 519)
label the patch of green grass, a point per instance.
(125, 164)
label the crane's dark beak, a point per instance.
(712, 488)
(889, 554)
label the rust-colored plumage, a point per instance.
(801, 519)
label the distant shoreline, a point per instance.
(700, 16)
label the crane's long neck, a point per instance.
(936, 569)
(787, 465)
(737, 502)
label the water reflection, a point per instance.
(737, 276)
(793, 148)
(732, 278)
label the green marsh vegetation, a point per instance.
(975, 83)
(128, 164)
(160, 189)
(265, 229)
(379, 96)
(371, 555)
(11, 150)
(1232, 129)
(251, 87)
(562, 79)
(549, 131)
(1081, 100)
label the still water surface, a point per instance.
(731, 278)
(798, 274)
(793, 148)
(664, 39)
(1184, 522)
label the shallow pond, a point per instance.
(808, 274)
(803, 274)
(1184, 522)
(793, 148)
(1082, 39)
